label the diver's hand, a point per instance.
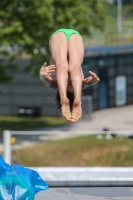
(46, 70)
(91, 80)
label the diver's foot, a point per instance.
(77, 110)
(66, 109)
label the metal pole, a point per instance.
(7, 146)
(119, 18)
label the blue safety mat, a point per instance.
(19, 183)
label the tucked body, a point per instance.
(65, 72)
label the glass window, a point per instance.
(129, 69)
(92, 62)
(129, 90)
(85, 68)
(108, 60)
(121, 70)
(111, 71)
(112, 93)
(129, 79)
(121, 59)
(111, 82)
(129, 58)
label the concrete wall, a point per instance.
(26, 90)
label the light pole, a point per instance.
(119, 19)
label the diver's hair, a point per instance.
(70, 96)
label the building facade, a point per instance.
(114, 66)
(26, 93)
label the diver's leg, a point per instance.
(76, 54)
(58, 48)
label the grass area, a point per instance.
(29, 123)
(79, 151)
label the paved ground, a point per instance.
(120, 118)
(113, 193)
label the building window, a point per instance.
(121, 70)
(129, 58)
(130, 80)
(111, 71)
(111, 82)
(129, 69)
(129, 90)
(111, 93)
(121, 59)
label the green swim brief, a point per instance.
(68, 32)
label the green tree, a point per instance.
(26, 25)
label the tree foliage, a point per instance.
(26, 25)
